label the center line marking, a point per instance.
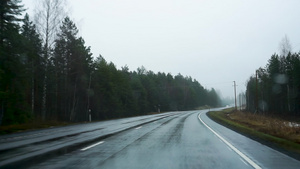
(252, 163)
(92, 146)
(138, 127)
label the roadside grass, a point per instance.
(30, 126)
(272, 131)
(197, 108)
(38, 124)
(203, 107)
(35, 124)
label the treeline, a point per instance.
(63, 82)
(276, 88)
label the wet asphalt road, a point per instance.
(177, 141)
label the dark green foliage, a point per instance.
(74, 84)
(71, 72)
(278, 86)
(33, 62)
(120, 93)
(13, 109)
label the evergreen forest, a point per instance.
(275, 89)
(49, 74)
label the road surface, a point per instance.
(173, 140)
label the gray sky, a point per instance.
(213, 41)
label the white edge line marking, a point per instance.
(243, 161)
(92, 146)
(253, 164)
(138, 127)
(229, 148)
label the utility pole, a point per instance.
(241, 101)
(88, 110)
(234, 95)
(256, 94)
(288, 97)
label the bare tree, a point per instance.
(285, 46)
(48, 17)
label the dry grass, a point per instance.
(269, 130)
(267, 124)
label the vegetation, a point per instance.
(275, 89)
(31, 125)
(272, 104)
(273, 131)
(56, 78)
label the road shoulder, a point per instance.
(284, 146)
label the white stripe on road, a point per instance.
(229, 148)
(243, 161)
(138, 127)
(253, 164)
(92, 146)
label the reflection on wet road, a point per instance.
(177, 141)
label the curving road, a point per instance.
(176, 140)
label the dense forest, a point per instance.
(276, 88)
(48, 73)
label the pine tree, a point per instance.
(72, 61)
(13, 109)
(32, 51)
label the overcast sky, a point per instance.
(213, 41)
